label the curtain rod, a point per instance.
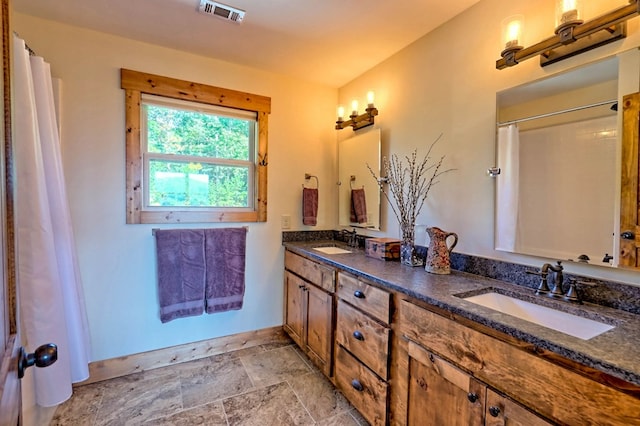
(551, 114)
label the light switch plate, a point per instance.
(285, 221)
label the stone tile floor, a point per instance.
(273, 384)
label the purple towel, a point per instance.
(225, 262)
(181, 273)
(309, 206)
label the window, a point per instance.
(195, 153)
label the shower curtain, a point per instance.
(507, 188)
(51, 302)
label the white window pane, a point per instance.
(179, 184)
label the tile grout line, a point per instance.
(315, 421)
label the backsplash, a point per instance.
(607, 293)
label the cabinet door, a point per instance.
(440, 393)
(501, 411)
(294, 305)
(319, 316)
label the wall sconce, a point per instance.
(572, 35)
(357, 121)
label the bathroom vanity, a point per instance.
(406, 347)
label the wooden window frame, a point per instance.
(136, 83)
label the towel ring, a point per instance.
(307, 176)
(351, 180)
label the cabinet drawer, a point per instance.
(361, 387)
(364, 337)
(553, 391)
(321, 275)
(372, 300)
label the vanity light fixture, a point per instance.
(572, 36)
(357, 121)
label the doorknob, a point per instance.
(44, 356)
(628, 235)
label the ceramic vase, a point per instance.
(438, 254)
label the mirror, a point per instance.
(557, 145)
(358, 192)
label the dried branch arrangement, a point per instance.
(409, 186)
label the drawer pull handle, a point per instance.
(355, 383)
(472, 397)
(358, 335)
(358, 294)
(494, 411)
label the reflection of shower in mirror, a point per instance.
(558, 170)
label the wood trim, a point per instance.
(262, 163)
(135, 83)
(136, 363)
(630, 182)
(134, 156)
(186, 90)
(9, 184)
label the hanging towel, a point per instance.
(310, 206)
(181, 272)
(225, 263)
(358, 206)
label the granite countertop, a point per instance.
(614, 352)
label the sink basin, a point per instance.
(582, 328)
(332, 250)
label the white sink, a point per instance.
(582, 328)
(331, 250)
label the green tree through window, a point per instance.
(197, 157)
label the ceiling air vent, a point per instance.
(221, 11)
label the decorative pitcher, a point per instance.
(438, 261)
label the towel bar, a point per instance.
(153, 230)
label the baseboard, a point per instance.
(129, 364)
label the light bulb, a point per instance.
(370, 98)
(340, 112)
(512, 31)
(354, 107)
(568, 11)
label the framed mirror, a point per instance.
(358, 192)
(557, 145)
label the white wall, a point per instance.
(446, 82)
(443, 83)
(117, 261)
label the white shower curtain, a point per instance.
(51, 305)
(507, 188)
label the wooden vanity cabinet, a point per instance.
(403, 362)
(439, 393)
(309, 308)
(513, 375)
(362, 346)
